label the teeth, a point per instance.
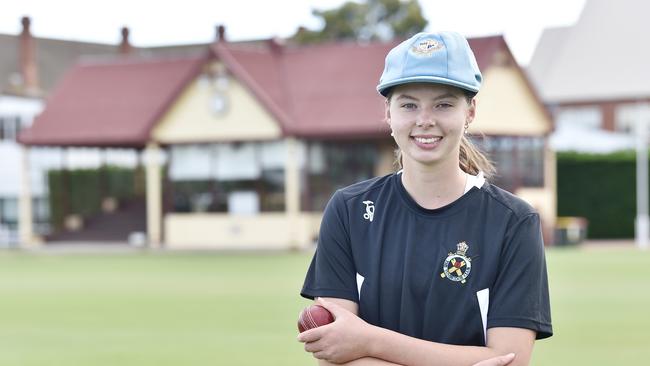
(429, 140)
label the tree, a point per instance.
(366, 21)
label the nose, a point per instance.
(425, 119)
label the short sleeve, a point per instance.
(332, 271)
(519, 297)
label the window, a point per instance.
(334, 165)
(8, 221)
(9, 128)
(229, 177)
(9, 213)
(41, 209)
(41, 215)
(628, 115)
(9, 218)
(589, 117)
(531, 161)
(519, 160)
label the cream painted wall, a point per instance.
(544, 199)
(223, 231)
(191, 118)
(505, 106)
(541, 199)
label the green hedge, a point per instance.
(601, 188)
(81, 191)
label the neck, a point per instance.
(433, 186)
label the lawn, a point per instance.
(241, 309)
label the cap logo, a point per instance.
(426, 47)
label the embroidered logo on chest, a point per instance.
(457, 266)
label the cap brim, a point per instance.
(383, 88)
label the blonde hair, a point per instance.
(471, 159)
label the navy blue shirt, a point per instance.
(443, 275)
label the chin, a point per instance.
(424, 160)
(428, 158)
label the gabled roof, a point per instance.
(111, 103)
(323, 91)
(604, 56)
(546, 51)
(53, 58)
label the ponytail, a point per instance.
(471, 159)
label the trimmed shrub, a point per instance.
(601, 188)
(81, 191)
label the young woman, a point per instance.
(432, 265)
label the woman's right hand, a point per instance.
(497, 361)
(339, 342)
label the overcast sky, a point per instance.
(165, 22)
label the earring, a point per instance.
(392, 133)
(466, 127)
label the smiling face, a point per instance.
(428, 121)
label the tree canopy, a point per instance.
(366, 21)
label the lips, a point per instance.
(426, 142)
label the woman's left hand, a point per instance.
(342, 341)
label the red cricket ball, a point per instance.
(314, 316)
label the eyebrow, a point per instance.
(443, 96)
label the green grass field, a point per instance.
(241, 309)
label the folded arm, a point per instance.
(351, 341)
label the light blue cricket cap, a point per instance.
(440, 58)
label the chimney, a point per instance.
(221, 33)
(276, 45)
(28, 66)
(125, 46)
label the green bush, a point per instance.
(56, 197)
(119, 182)
(81, 191)
(601, 188)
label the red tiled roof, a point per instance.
(320, 91)
(111, 103)
(323, 91)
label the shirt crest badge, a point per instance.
(457, 266)
(426, 47)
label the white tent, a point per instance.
(588, 140)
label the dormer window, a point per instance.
(10, 126)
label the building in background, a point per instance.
(594, 74)
(244, 143)
(30, 67)
(16, 113)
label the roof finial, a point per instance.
(26, 23)
(125, 45)
(221, 33)
(275, 44)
